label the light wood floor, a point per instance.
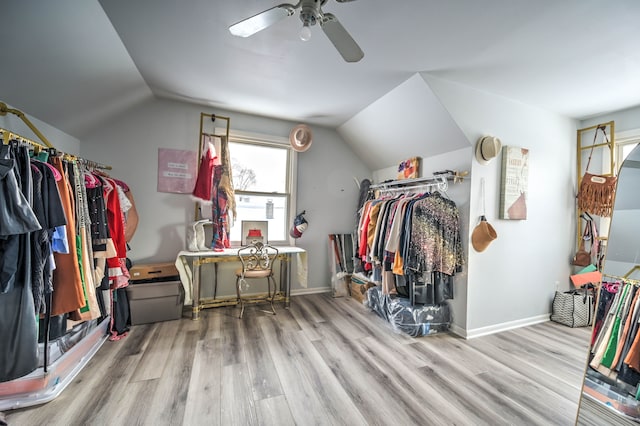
(323, 362)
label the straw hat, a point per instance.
(300, 137)
(487, 148)
(482, 235)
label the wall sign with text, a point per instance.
(514, 184)
(177, 170)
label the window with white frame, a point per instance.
(263, 169)
(625, 143)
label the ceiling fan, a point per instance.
(310, 14)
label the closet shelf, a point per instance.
(435, 179)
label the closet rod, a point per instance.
(93, 164)
(4, 109)
(88, 163)
(436, 178)
(631, 271)
(623, 279)
(13, 135)
(8, 135)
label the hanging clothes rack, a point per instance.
(213, 117)
(8, 135)
(48, 381)
(438, 179)
(631, 271)
(4, 109)
(622, 279)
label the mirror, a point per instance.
(612, 376)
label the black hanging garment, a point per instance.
(18, 327)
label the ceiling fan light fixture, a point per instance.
(305, 32)
(310, 14)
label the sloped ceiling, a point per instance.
(409, 116)
(74, 63)
(63, 62)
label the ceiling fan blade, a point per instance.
(262, 20)
(344, 1)
(341, 39)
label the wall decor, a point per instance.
(409, 169)
(177, 170)
(514, 183)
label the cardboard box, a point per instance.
(358, 288)
(151, 272)
(155, 302)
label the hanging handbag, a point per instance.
(583, 257)
(573, 308)
(596, 193)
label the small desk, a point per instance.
(191, 277)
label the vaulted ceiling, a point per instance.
(74, 63)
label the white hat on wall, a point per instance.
(300, 137)
(487, 148)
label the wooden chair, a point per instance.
(257, 262)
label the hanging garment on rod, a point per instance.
(19, 348)
(615, 350)
(68, 295)
(404, 245)
(54, 248)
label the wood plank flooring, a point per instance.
(323, 362)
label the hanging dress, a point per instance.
(204, 182)
(219, 213)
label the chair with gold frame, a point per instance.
(257, 262)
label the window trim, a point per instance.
(627, 137)
(237, 136)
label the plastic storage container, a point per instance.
(155, 293)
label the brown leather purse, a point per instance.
(583, 257)
(597, 192)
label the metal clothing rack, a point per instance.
(4, 109)
(623, 279)
(213, 117)
(47, 382)
(8, 135)
(440, 180)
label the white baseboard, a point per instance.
(311, 290)
(458, 331)
(491, 329)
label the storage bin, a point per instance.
(155, 293)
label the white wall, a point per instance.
(626, 119)
(325, 181)
(513, 281)
(57, 138)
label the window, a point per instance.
(625, 142)
(263, 168)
